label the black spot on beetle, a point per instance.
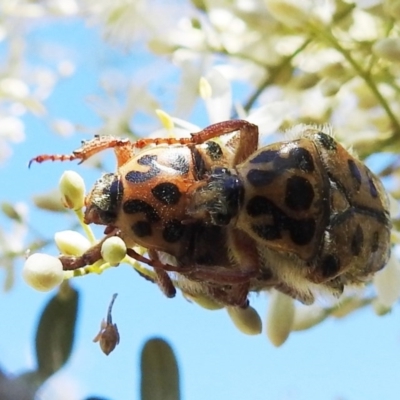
(167, 193)
(355, 173)
(299, 193)
(116, 190)
(372, 188)
(259, 205)
(214, 150)
(301, 231)
(330, 266)
(135, 206)
(139, 176)
(142, 228)
(357, 241)
(267, 232)
(326, 141)
(199, 164)
(302, 159)
(173, 231)
(264, 156)
(259, 177)
(375, 242)
(297, 158)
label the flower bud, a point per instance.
(246, 319)
(43, 272)
(72, 189)
(379, 308)
(333, 70)
(388, 48)
(304, 81)
(71, 243)
(280, 317)
(392, 8)
(50, 201)
(329, 87)
(11, 212)
(113, 250)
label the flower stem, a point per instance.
(86, 228)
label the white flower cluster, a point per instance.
(310, 55)
(25, 87)
(274, 63)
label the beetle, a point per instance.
(302, 215)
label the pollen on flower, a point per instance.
(72, 189)
(165, 119)
(113, 250)
(43, 272)
(205, 89)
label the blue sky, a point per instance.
(356, 358)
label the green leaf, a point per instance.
(159, 369)
(56, 331)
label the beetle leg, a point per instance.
(248, 137)
(235, 296)
(123, 150)
(163, 281)
(217, 275)
(89, 257)
(247, 145)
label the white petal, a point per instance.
(270, 116)
(219, 105)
